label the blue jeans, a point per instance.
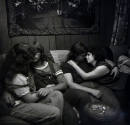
(48, 111)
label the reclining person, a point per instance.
(84, 86)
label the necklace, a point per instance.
(41, 67)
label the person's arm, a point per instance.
(19, 86)
(30, 97)
(128, 62)
(60, 79)
(98, 72)
(61, 83)
(9, 99)
(115, 69)
(111, 63)
(74, 85)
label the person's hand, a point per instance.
(97, 93)
(71, 62)
(115, 72)
(44, 92)
(9, 99)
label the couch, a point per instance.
(59, 56)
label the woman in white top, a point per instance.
(31, 105)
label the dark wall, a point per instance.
(107, 20)
(128, 38)
(62, 41)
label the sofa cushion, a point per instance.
(59, 56)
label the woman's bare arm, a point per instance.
(98, 72)
(115, 70)
(74, 85)
(30, 97)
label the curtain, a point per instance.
(120, 27)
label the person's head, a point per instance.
(20, 52)
(17, 60)
(94, 55)
(36, 52)
(77, 52)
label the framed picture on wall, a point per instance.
(52, 17)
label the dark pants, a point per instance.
(78, 99)
(47, 111)
(69, 115)
(81, 99)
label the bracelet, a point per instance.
(58, 72)
(114, 66)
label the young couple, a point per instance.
(92, 79)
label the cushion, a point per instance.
(59, 56)
(124, 64)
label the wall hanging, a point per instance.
(52, 17)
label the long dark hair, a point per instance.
(17, 61)
(98, 53)
(77, 48)
(37, 47)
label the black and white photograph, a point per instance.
(64, 62)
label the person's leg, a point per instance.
(55, 98)
(78, 99)
(69, 115)
(41, 114)
(109, 98)
(105, 109)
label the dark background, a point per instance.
(63, 41)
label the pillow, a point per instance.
(124, 64)
(59, 56)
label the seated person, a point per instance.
(34, 106)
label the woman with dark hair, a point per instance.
(49, 76)
(102, 70)
(104, 108)
(30, 104)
